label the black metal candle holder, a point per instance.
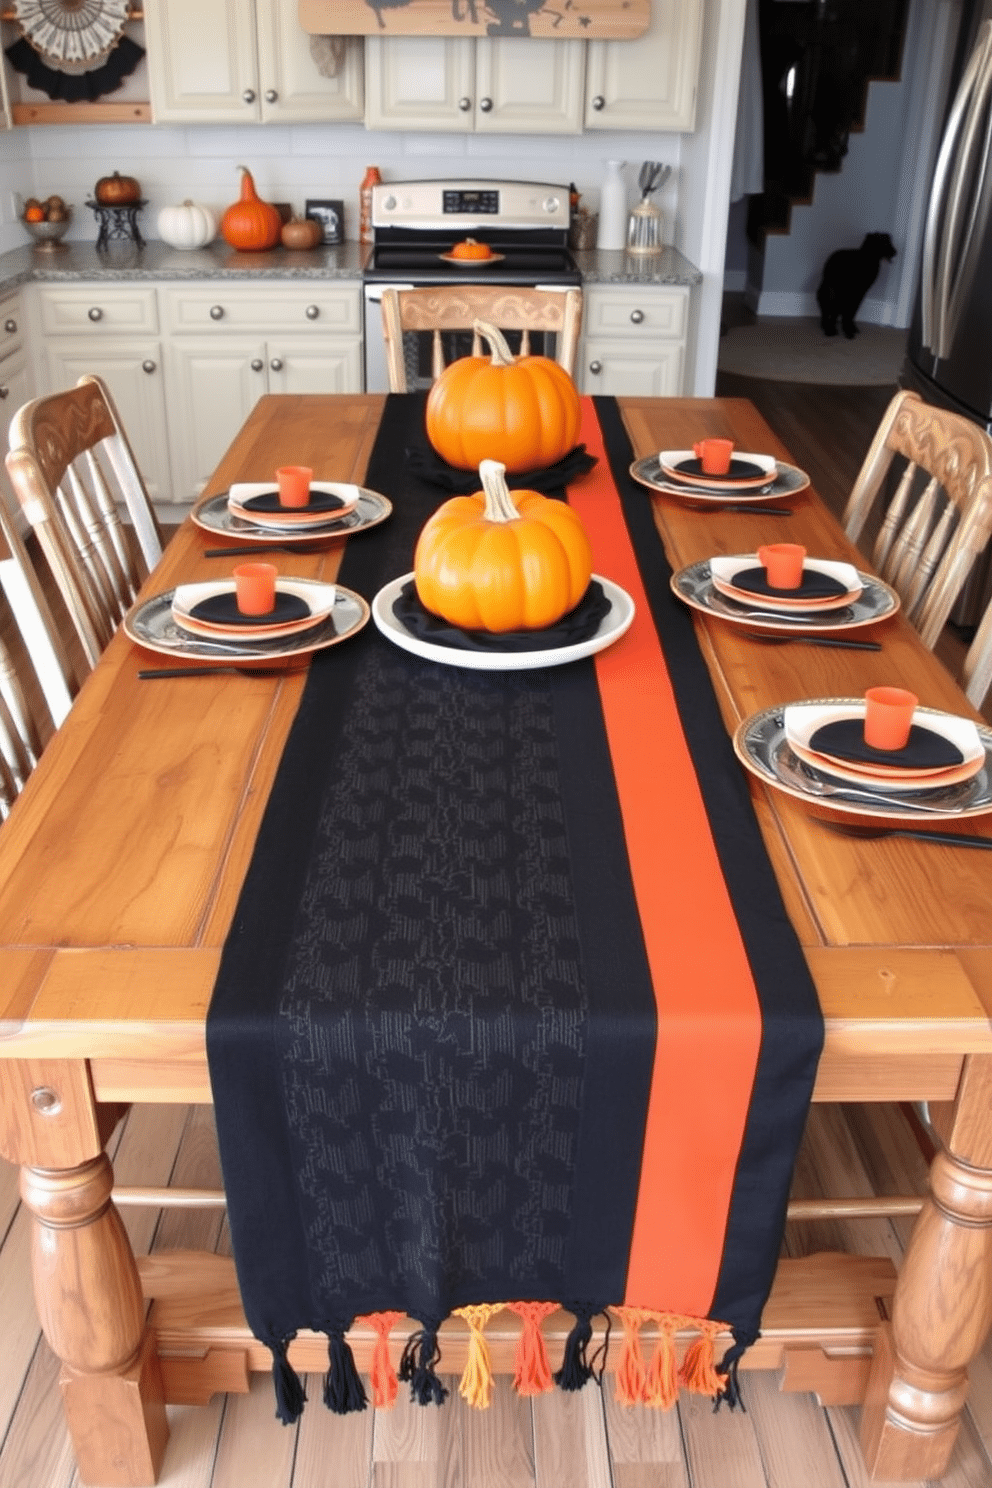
(118, 223)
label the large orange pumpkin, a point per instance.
(523, 411)
(498, 562)
(250, 224)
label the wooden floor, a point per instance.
(555, 1441)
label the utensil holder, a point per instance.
(644, 229)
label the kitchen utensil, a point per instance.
(652, 177)
(152, 674)
(948, 839)
(788, 640)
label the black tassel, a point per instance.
(576, 1367)
(290, 1394)
(728, 1366)
(418, 1367)
(343, 1388)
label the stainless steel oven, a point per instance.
(416, 223)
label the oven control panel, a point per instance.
(466, 204)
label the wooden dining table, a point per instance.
(120, 869)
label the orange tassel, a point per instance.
(662, 1385)
(698, 1371)
(631, 1372)
(477, 1380)
(532, 1370)
(384, 1382)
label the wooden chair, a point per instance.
(929, 538)
(456, 307)
(976, 674)
(73, 471)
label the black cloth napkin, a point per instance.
(268, 503)
(578, 625)
(813, 585)
(844, 738)
(425, 463)
(739, 470)
(222, 609)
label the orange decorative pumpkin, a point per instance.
(469, 248)
(498, 562)
(302, 233)
(524, 411)
(250, 224)
(117, 190)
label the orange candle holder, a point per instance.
(255, 588)
(783, 563)
(294, 484)
(889, 717)
(714, 455)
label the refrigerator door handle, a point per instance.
(936, 244)
(966, 190)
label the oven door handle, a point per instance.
(373, 292)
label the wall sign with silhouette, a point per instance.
(582, 20)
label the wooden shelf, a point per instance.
(81, 113)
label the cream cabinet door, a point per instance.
(529, 86)
(649, 83)
(419, 82)
(211, 385)
(202, 60)
(15, 390)
(132, 369)
(291, 87)
(303, 367)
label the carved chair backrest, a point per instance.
(456, 308)
(73, 470)
(940, 516)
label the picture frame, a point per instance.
(330, 215)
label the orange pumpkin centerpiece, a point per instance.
(469, 248)
(250, 224)
(524, 411)
(498, 562)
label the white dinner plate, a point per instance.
(802, 720)
(317, 596)
(695, 586)
(723, 571)
(611, 628)
(789, 481)
(762, 747)
(152, 626)
(214, 515)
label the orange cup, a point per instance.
(783, 562)
(888, 716)
(255, 586)
(294, 484)
(714, 455)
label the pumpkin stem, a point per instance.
(248, 192)
(499, 503)
(502, 356)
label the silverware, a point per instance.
(841, 643)
(747, 511)
(796, 772)
(948, 839)
(150, 674)
(246, 549)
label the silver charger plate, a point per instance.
(694, 585)
(151, 625)
(214, 515)
(789, 480)
(762, 747)
(611, 628)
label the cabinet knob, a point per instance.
(249, 95)
(216, 312)
(271, 96)
(95, 313)
(10, 326)
(637, 316)
(486, 105)
(464, 104)
(148, 366)
(599, 102)
(257, 364)
(312, 311)
(595, 367)
(276, 364)
(4, 393)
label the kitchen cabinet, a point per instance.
(112, 331)
(514, 85)
(633, 340)
(250, 62)
(649, 83)
(15, 378)
(227, 345)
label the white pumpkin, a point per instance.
(189, 225)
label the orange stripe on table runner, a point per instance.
(709, 1021)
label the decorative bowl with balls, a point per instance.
(47, 221)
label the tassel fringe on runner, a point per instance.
(655, 1382)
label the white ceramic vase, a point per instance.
(613, 207)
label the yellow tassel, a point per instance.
(477, 1380)
(632, 1375)
(532, 1371)
(698, 1370)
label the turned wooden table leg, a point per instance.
(86, 1283)
(942, 1309)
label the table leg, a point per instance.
(86, 1283)
(942, 1308)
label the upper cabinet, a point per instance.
(511, 86)
(649, 83)
(244, 61)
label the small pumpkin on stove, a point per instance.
(117, 190)
(302, 232)
(501, 562)
(250, 224)
(470, 248)
(524, 411)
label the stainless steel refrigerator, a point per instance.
(949, 353)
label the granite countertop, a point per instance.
(124, 261)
